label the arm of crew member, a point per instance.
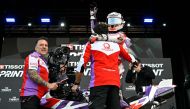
(37, 79)
(81, 66)
(104, 37)
(78, 76)
(127, 56)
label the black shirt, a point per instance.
(142, 78)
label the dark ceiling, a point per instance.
(77, 11)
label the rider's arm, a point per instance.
(81, 66)
(93, 20)
(107, 37)
(126, 55)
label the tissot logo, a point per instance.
(74, 46)
(11, 73)
(130, 88)
(14, 99)
(156, 67)
(11, 70)
(6, 89)
(11, 66)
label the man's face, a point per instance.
(115, 27)
(42, 47)
(114, 23)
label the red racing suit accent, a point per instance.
(103, 56)
(36, 62)
(126, 44)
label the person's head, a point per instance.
(101, 28)
(138, 60)
(42, 46)
(136, 66)
(115, 21)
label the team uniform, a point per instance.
(125, 43)
(114, 34)
(31, 90)
(105, 78)
(115, 23)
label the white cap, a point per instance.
(115, 18)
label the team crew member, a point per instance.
(140, 75)
(115, 23)
(105, 78)
(35, 77)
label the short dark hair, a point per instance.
(101, 28)
(138, 60)
(41, 38)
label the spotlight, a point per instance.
(45, 20)
(148, 20)
(10, 20)
(164, 24)
(29, 24)
(62, 24)
(128, 24)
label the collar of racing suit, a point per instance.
(114, 31)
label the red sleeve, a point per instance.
(84, 58)
(86, 53)
(124, 53)
(124, 36)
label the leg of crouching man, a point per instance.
(29, 102)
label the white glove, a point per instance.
(93, 12)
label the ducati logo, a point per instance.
(107, 46)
